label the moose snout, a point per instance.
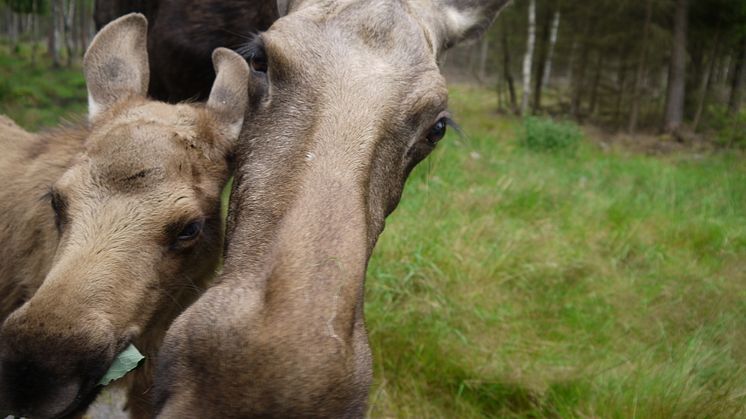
(48, 375)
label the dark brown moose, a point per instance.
(109, 228)
(346, 98)
(183, 34)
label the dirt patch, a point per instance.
(651, 144)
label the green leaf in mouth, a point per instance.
(125, 362)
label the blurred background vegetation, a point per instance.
(671, 66)
(579, 251)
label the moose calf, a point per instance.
(110, 228)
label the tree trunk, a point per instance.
(499, 89)
(721, 77)
(507, 71)
(34, 31)
(552, 44)
(89, 27)
(640, 72)
(543, 49)
(593, 105)
(570, 75)
(578, 84)
(55, 31)
(84, 15)
(706, 82)
(677, 71)
(471, 54)
(484, 48)
(739, 79)
(14, 29)
(528, 58)
(621, 83)
(68, 27)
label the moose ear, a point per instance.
(465, 19)
(286, 6)
(229, 95)
(116, 63)
(283, 6)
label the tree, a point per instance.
(507, 72)
(55, 31)
(528, 57)
(640, 71)
(541, 59)
(677, 70)
(552, 43)
(739, 79)
(67, 19)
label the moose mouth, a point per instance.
(89, 391)
(85, 397)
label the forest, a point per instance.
(661, 66)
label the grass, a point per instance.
(512, 283)
(35, 96)
(518, 284)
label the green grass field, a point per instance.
(512, 283)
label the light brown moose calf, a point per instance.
(349, 98)
(109, 229)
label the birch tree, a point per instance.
(528, 57)
(552, 45)
(55, 31)
(69, 14)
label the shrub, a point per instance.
(729, 130)
(545, 134)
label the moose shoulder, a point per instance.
(109, 228)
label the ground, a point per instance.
(605, 282)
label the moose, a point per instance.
(110, 227)
(345, 99)
(182, 35)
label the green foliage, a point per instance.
(40, 7)
(36, 95)
(545, 134)
(730, 130)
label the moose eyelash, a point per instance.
(253, 47)
(453, 124)
(47, 196)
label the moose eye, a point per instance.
(58, 206)
(437, 131)
(258, 61)
(190, 231)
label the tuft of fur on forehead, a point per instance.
(141, 143)
(188, 126)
